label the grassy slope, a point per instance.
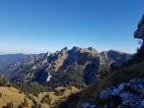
(91, 93)
(11, 94)
(55, 98)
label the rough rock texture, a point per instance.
(85, 63)
(88, 105)
(139, 33)
(131, 93)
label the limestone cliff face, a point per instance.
(84, 63)
(122, 89)
(139, 33)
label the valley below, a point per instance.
(76, 77)
(45, 80)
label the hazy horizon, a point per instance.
(1, 53)
(32, 27)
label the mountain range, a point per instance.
(123, 88)
(77, 66)
(9, 59)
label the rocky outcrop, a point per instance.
(29, 60)
(85, 63)
(124, 88)
(115, 57)
(129, 94)
(139, 33)
(88, 105)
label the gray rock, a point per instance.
(121, 86)
(106, 93)
(88, 60)
(139, 33)
(87, 105)
(142, 103)
(128, 97)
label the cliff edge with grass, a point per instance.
(121, 89)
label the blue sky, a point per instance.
(35, 26)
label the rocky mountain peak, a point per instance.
(64, 50)
(91, 48)
(115, 51)
(88, 50)
(87, 60)
(48, 54)
(75, 49)
(84, 50)
(139, 33)
(94, 51)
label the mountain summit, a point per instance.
(76, 66)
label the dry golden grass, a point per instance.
(38, 99)
(54, 98)
(92, 92)
(70, 90)
(85, 50)
(11, 94)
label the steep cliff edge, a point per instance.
(122, 89)
(75, 66)
(139, 33)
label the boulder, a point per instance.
(88, 105)
(130, 94)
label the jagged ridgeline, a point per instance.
(77, 67)
(123, 88)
